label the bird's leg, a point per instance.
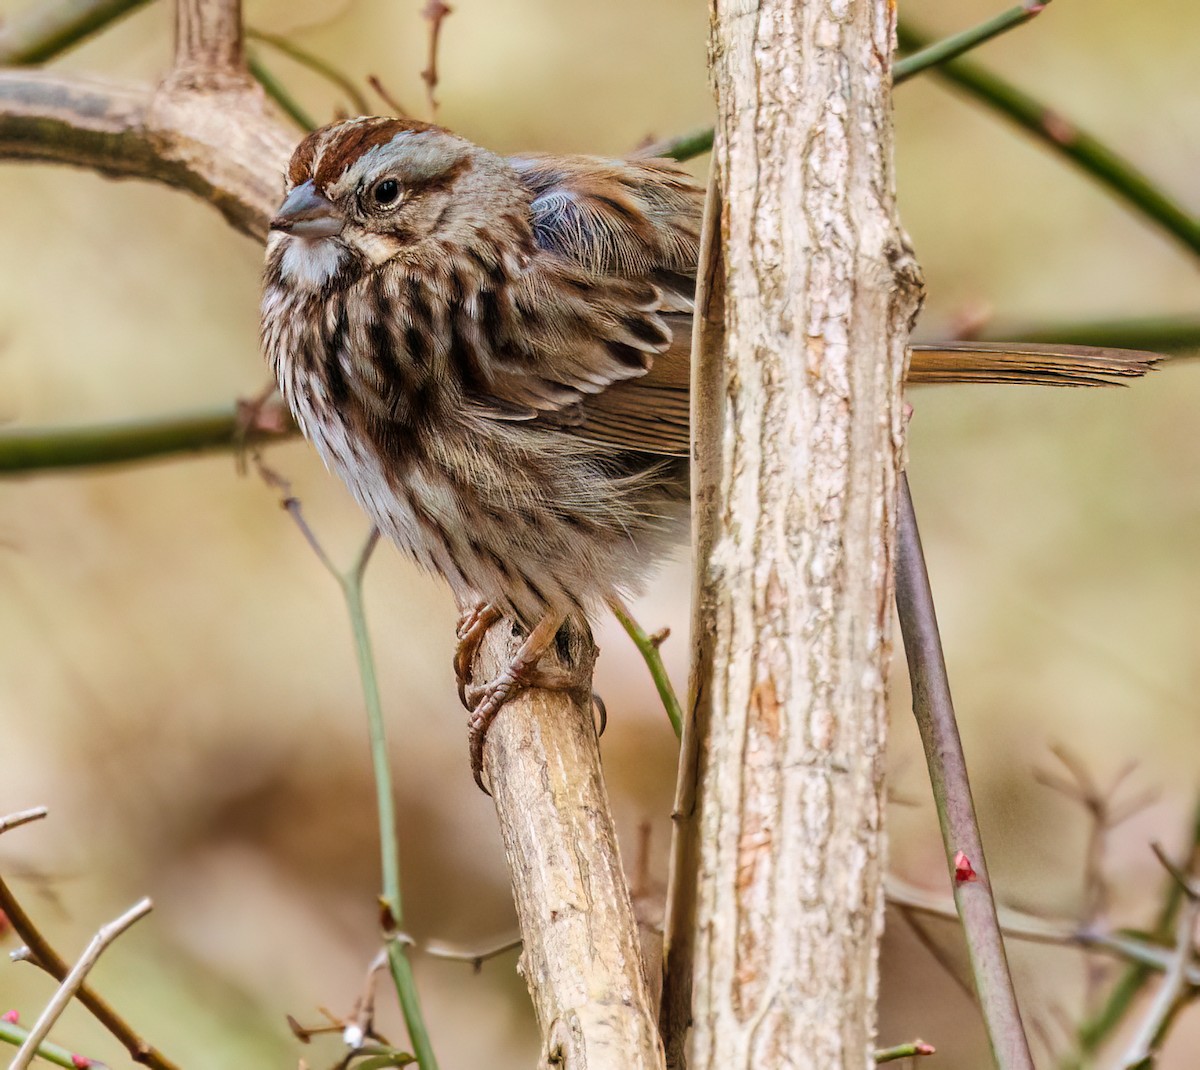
(521, 672)
(472, 627)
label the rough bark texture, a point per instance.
(582, 958)
(819, 293)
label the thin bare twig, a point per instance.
(1027, 927)
(74, 980)
(386, 96)
(22, 817)
(1104, 814)
(44, 956)
(1093, 1032)
(435, 11)
(934, 711)
(476, 958)
(1176, 988)
(939, 955)
(316, 64)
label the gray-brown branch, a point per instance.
(232, 156)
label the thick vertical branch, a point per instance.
(209, 93)
(582, 957)
(208, 44)
(820, 292)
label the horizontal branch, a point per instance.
(126, 131)
(1157, 334)
(1029, 928)
(25, 451)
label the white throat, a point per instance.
(309, 265)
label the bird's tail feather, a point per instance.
(1017, 362)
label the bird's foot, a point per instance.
(472, 627)
(523, 671)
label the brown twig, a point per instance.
(72, 983)
(936, 951)
(934, 711)
(435, 12)
(385, 95)
(44, 956)
(679, 925)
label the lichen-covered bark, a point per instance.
(819, 294)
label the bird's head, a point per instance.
(361, 192)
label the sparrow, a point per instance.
(493, 354)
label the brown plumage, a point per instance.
(493, 355)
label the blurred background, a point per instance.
(177, 680)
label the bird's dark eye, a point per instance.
(386, 193)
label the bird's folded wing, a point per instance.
(650, 413)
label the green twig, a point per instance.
(648, 647)
(699, 142)
(1083, 149)
(11, 1033)
(949, 48)
(683, 147)
(934, 712)
(903, 1051)
(316, 64)
(43, 30)
(1158, 334)
(30, 451)
(24, 451)
(390, 902)
(279, 93)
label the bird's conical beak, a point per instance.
(307, 214)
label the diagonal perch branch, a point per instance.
(581, 958)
